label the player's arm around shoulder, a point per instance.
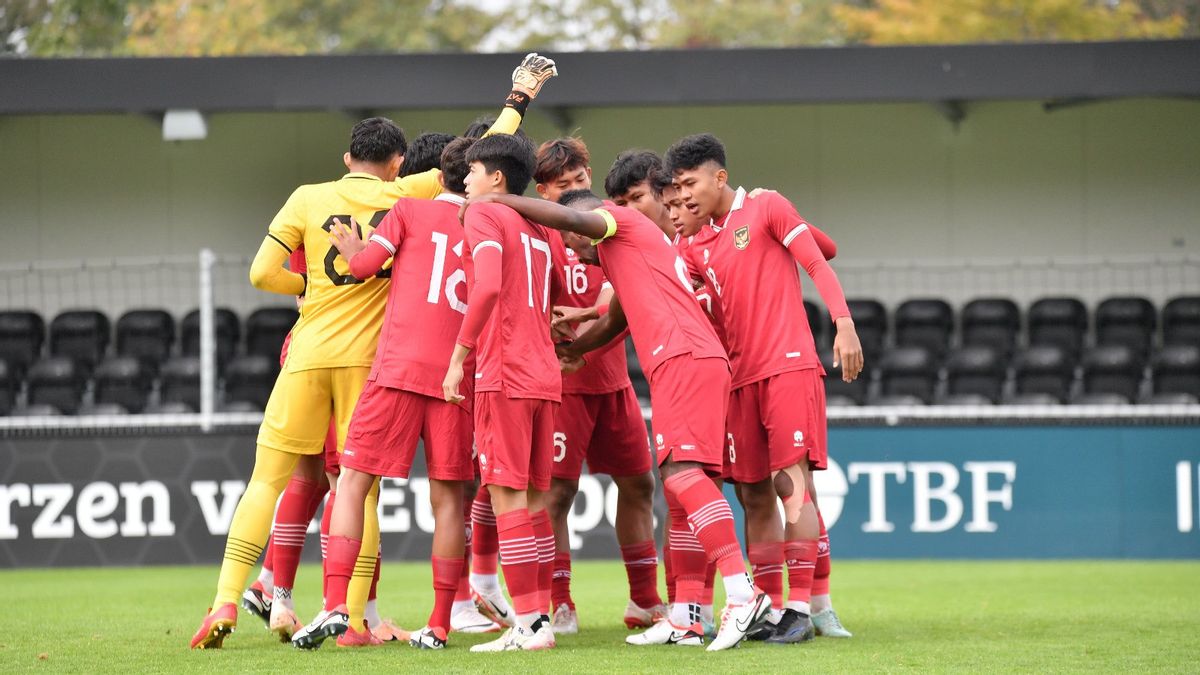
(591, 224)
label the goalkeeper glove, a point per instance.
(533, 73)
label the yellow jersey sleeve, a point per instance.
(507, 123)
(287, 228)
(425, 185)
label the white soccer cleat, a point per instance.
(828, 625)
(258, 602)
(492, 604)
(642, 617)
(519, 638)
(666, 633)
(565, 621)
(328, 624)
(428, 638)
(739, 620)
(470, 620)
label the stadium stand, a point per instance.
(97, 408)
(125, 381)
(992, 322)
(925, 323)
(147, 334)
(1181, 320)
(249, 378)
(816, 322)
(907, 371)
(169, 408)
(180, 382)
(839, 393)
(22, 334)
(41, 410)
(1113, 369)
(56, 381)
(82, 335)
(227, 329)
(870, 320)
(975, 371)
(1126, 320)
(1058, 321)
(266, 329)
(1046, 369)
(1176, 370)
(1100, 398)
(8, 388)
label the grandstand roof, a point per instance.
(942, 75)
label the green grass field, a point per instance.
(906, 616)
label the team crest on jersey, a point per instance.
(741, 237)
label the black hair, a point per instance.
(690, 152)
(559, 156)
(510, 155)
(376, 139)
(479, 127)
(454, 164)
(424, 153)
(632, 167)
(585, 198)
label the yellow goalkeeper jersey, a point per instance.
(341, 317)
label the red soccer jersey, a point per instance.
(651, 281)
(705, 294)
(608, 370)
(750, 261)
(515, 355)
(427, 296)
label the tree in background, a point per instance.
(62, 27)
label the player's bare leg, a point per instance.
(558, 506)
(635, 535)
(825, 619)
(764, 544)
(801, 530)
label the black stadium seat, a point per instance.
(964, 399)
(870, 322)
(1033, 399)
(838, 392)
(1128, 321)
(227, 329)
(250, 378)
(103, 409)
(146, 334)
(180, 379)
(39, 410)
(992, 322)
(1100, 398)
(908, 371)
(818, 319)
(1113, 369)
(897, 400)
(266, 328)
(124, 380)
(1058, 321)
(1044, 369)
(21, 336)
(81, 335)
(1171, 399)
(1181, 321)
(925, 323)
(8, 388)
(975, 370)
(169, 408)
(1176, 370)
(56, 381)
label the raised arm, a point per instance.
(590, 224)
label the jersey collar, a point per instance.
(448, 197)
(739, 199)
(361, 175)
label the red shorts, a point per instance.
(688, 402)
(778, 422)
(332, 456)
(515, 440)
(387, 422)
(606, 429)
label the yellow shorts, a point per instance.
(302, 403)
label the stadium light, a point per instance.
(184, 125)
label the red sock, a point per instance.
(820, 584)
(463, 592)
(373, 593)
(801, 561)
(339, 565)
(766, 565)
(560, 583)
(519, 558)
(299, 502)
(547, 555)
(326, 518)
(269, 557)
(668, 570)
(485, 542)
(641, 567)
(687, 555)
(710, 581)
(710, 517)
(446, 573)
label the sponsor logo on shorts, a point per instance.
(658, 440)
(482, 460)
(348, 453)
(687, 447)
(798, 439)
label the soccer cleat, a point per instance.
(469, 620)
(641, 617)
(387, 631)
(257, 602)
(792, 628)
(739, 620)
(491, 603)
(827, 624)
(519, 638)
(666, 633)
(565, 621)
(284, 622)
(331, 623)
(359, 638)
(215, 627)
(428, 638)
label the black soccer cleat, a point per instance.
(793, 628)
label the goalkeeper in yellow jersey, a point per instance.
(333, 342)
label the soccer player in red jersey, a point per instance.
(688, 374)
(600, 420)
(749, 253)
(511, 266)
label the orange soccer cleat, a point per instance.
(359, 638)
(216, 625)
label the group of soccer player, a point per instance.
(439, 305)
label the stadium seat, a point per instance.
(21, 336)
(1181, 320)
(1128, 321)
(1176, 370)
(817, 321)
(146, 334)
(250, 378)
(57, 381)
(897, 400)
(8, 388)
(81, 335)
(102, 409)
(1113, 369)
(228, 331)
(992, 322)
(838, 400)
(180, 381)
(976, 370)
(964, 399)
(925, 323)
(908, 371)
(835, 389)
(240, 407)
(266, 328)
(124, 380)
(1100, 398)
(169, 408)
(1058, 321)
(870, 322)
(40, 410)
(1170, 399)
(1045, 369)
(1032, 399)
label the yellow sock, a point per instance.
(364, 566)
(252, 521)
